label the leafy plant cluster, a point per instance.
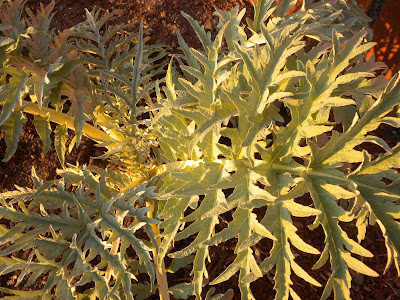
(266, 114)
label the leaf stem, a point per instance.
(175, 166)
(161, 273)
(90, 131)
(159, 267)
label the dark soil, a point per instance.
(162, 19)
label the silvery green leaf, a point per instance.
(60, 140)
(13, 128)
(42, 125)
(13, 94)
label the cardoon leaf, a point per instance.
(60, 140)
(42, 125)
(13, 94)
(13, 128)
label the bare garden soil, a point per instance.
(162, 19)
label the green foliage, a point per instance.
(264, 124)
(240, 96)
(78, 228)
